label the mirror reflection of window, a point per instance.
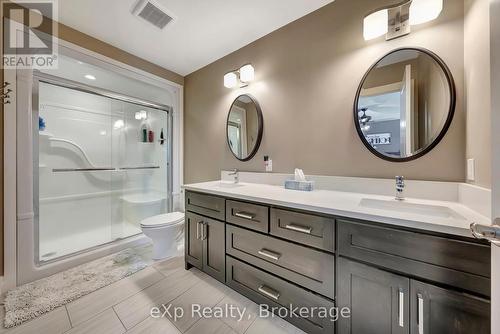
(403, 104)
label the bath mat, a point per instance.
(34, 299)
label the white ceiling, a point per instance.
(203, 31)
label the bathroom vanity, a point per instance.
(286, 248)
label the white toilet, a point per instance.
(166, 231)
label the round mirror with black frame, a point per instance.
(405, 104)
(244, 127)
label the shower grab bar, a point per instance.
(139, 167)
(62, 170)
(97, 169)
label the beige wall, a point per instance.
(307, 74)
(477, 83)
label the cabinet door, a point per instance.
(214, 259)
(378, 300)
(193, 240)
(437, 310)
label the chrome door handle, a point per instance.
(299, 228)
(205, 231)
(420, 314)
(490, 233)
(198, 235)
(270, 254)
(401, 308)
(245, 215)
(271, 293)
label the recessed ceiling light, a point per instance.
(90, 77)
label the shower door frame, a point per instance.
(19, 266)
(40, 77)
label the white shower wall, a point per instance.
(79, 210)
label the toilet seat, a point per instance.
(167, 219)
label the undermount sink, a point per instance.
(437, 211)
(224, 184)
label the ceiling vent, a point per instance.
(153, 13)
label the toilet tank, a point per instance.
(137, 207)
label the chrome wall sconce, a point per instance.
(239, 78)
(5, 94)
(396, 21)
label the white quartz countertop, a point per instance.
(350, 205)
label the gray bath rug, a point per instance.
(34, 299)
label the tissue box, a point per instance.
(299, 185)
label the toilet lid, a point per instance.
(166, 219)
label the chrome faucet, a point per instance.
(236, 174)
(400, 187)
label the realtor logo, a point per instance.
(29, 30)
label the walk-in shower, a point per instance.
(102, 163)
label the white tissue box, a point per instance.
(299, 185)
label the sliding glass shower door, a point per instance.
(103, 165)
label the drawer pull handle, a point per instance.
(273, 294)
(298, 228)
(420, 314)
(270, 254)
(245, 215)
(401, 308)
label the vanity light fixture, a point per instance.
(395, 21)
(230, 80)
(240, 77)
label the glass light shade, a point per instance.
(376, 24)
(422, 11)
(230, 80)
(247, 73)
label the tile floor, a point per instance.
(125, 306)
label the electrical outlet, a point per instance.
(471, 169)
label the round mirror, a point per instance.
(244, 127)
(404, 104)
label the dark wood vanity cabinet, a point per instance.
(394, 280)
(378, 300)
(205, 245)
(382, 302)
(438, 310)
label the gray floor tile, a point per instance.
(207, 293)
(154, 326)
(170, 266)
(210, 326)
(274, 325)
(90, 305)
(105, 323)
(138, 307)
(247, 308)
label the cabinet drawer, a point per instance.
(311, 230)
(264, 288)
(207, 205)
(452, 262)
(304, 266)
(252, 216)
